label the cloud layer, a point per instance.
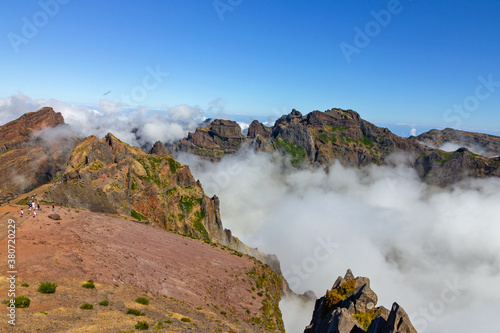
(139, 127)
(436, 252)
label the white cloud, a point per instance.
(141, 127)
(410, 239)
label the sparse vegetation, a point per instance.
(104, 302)
(21, 302)
(43, 312)
(25, 285)
(337, 295)
(47, 288)
(137, 216)
(142, 325)
(86, 306)
(89, 284)
(198, 225)
(96, 166)
(185, 320)
(297, 153)
(366, 318)
(142, 300)
(135, 312)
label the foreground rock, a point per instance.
(350, 307)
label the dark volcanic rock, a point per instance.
(350, 307)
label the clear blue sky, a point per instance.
(264, 57)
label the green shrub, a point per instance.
(89, 285)
(47, 288)
(142, 300)
(104, 302)
(135, 312)
(159, 326)
(21, 302)
(366, 318)
(43, 312)
(170, 321)
(185, 320)
(86, 306)
(142, 325)
(25, 285)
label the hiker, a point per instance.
(38, 207)
(29, 210)
(53, 208)
(34, 214)
(22, 212)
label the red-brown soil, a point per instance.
(180, 276)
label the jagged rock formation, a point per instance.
(110, 176)
(31, 152)
(490, 144)
(214, 141)
(321, 138)
(443, 168)
(350, 307)
(258, 129)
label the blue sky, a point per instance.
(263, 57)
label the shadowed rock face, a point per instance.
(490, 144)
(350, 307)
(31, 151)
(214, 141)
(337, 135)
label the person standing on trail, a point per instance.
(34, 214)
(53, 208)
(22, 212)
(38, 207)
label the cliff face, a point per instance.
(350, 307)
(214, 141)
(31, 153)
(336, 135)
(110, 176)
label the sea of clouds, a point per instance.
(434, 251)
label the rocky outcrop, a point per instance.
(350, 307)
(337, 135)
(489, 145)
(443, 168)
(160, 149)
(109, 176)
(258, 129)
(33, 151)
(219, 138)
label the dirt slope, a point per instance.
(180, 276)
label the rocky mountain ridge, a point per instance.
(31, 153)
(350, 307)
(336, 135)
